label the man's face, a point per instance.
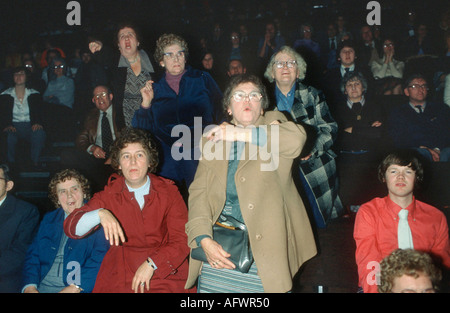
(235, 68)
(417, 91)
(4, 185)
(366, 34)
(347, 56)
(102, 98)
(400, 180)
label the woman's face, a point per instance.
(354, 90)
(285, 75)
(245, 105)
(174, 59)
(388, 47)
(128, 42)
(134, 163)
(20, 78)
(208, 61)
(58, 68)
(70, 195)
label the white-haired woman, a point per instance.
(307, 105)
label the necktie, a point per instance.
(332, 44)
(404, 235)
(419, 107)
(107, 138)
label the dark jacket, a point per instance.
(19, 222)
(409, 129)
(88, 134)
(363, 135)
(6, 109)
(87, 252)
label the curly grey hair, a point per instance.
(301, 64)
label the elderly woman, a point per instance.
(359, 118)
(360, 139)
(307, 105)
(240, 183)
(55, 263)
(185, 99)
(21, 117)
(143, 217)
(128, 74)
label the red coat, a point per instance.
(157, 232)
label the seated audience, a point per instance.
(421, 125)
(398, 221)
(19, 221)
(408, 271)
(143, 216)
(55, 263)
(21, 118)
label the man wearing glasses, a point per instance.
(95, 139)
(18, 224)
(420, 124)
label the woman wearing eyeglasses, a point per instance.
(307, 106)
(388, 71)
(177, 108)
(244, 177)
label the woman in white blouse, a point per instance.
(387, 66)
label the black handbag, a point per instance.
(234, 240)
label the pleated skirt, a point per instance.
(213, 280)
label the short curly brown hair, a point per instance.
(61, 177)
(166, 40)
(407, 262)
(133, 135)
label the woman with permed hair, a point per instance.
(143, 217)
(306, 105)
(184, 99)
(54, 262)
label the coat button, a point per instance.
(258, 237)
(251, 206)
(242, 179)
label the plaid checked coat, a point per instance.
(310, 108)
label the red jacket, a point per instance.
(157, 232)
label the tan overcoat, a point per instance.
(280, 232)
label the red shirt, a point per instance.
(375, 234)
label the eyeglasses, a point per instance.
(173, 56)
(102, 94)
(28, 65)
(289, 64)
(234, 37)
(417, 87)
(58, 66)
(388, 45)
(254, 96)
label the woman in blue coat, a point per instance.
(177, 108)
(55, 263)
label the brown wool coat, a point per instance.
(279, 229)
